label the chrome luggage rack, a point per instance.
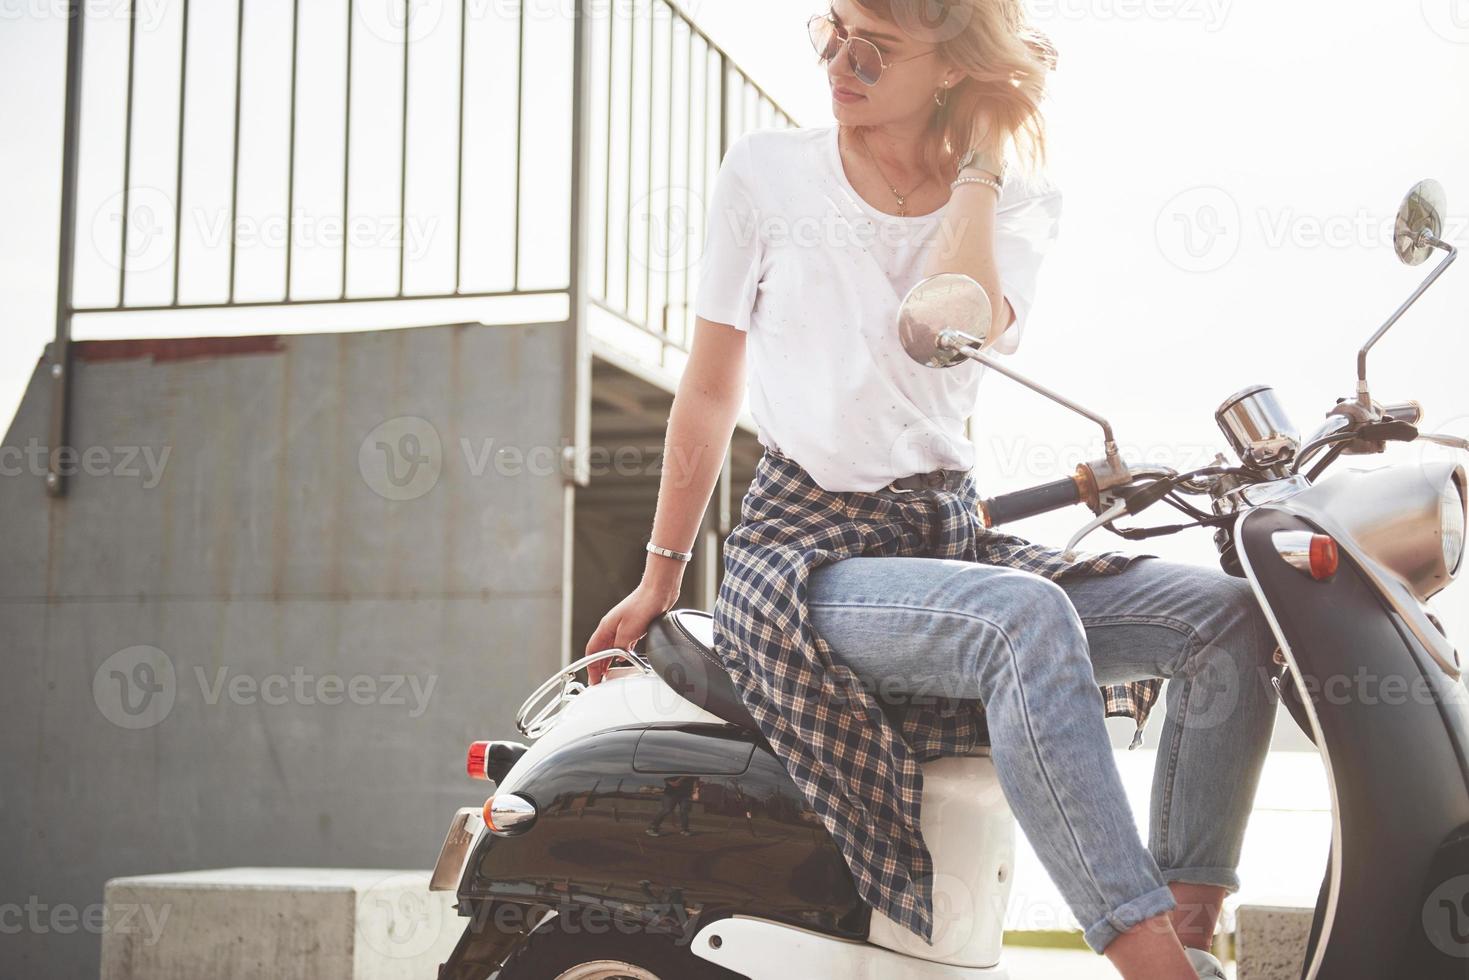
(543, 720)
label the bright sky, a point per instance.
(1230, 171)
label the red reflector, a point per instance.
(475, 765)
(1324, 556)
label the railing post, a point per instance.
(723, 105)
(60, 361)
(577, 404)
(576, 411)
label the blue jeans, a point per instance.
(1034, 651)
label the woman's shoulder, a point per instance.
(773, 146)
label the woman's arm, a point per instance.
(700, 425)
(966, 243)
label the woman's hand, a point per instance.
(627, 622)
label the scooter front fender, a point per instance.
(1390, 724)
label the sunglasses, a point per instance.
(864, 57)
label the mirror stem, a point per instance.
(1364, 398)
(969, 346)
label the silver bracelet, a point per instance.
(667, 553)
(987, 181)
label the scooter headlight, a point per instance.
(1451, 507)
(1408, 519)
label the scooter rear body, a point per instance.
(660, 811)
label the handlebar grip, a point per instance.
(1410, 412)
(1028, 503)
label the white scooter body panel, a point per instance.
(764, 950)
(970, 833)
(967, 825)
(626, 697)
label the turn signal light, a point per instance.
(507, 814)
(1315, 555)
(1324, 556)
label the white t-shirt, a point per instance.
(814, 274)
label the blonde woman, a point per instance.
(862, 598)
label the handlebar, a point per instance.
(1021, 504)
(1409, 411)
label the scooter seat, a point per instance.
(680, 647)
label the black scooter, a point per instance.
(648, 832)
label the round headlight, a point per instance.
(1451, 524)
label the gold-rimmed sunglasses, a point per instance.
(864, 57)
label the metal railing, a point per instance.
(608, 127)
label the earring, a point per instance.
(945, 100)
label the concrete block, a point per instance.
(1270, 941)
(277, 924)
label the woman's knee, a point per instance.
(1246, 618)
(1233, 620)
(1032, 611)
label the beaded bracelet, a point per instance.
(987, 181)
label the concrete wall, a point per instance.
(187, 636)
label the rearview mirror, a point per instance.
(1417, 232)
(1422, 210)
(944, 301)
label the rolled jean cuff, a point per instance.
(1226, 878)
(1101, 933)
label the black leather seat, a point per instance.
(680, 647)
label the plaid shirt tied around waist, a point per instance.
(856, 760)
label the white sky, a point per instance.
(1230, 171)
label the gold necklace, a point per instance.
(902, 198)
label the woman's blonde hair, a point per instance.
(1006, 61)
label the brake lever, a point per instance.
(1130, 505)
(1119, 509)
(1453, 442)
